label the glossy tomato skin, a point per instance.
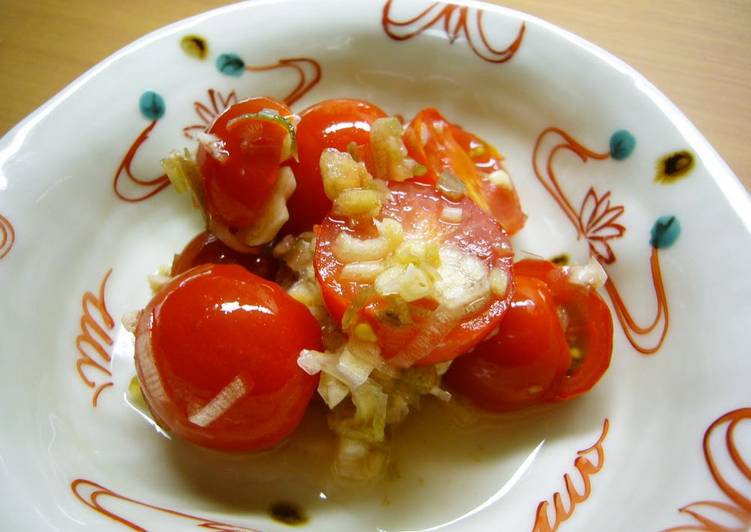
(530, 361)
(415, 206)
(237, 187)
(216, 325)
(327, 124)
(441, 146)
(525, 362)
(206, 248)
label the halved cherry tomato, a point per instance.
(206, 248)
(216, 355)
(554, 344)
(238, 185)
(443, 147)
(524, 363)
(340, 124)
(587, 324)
(418, 208)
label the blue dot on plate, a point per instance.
(622, 144)
(230, 64)
(151, 105)
(665, 232)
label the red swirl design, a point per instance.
(140, 189)
(597, 220)
(90, 493)
(456, 21)
(308, 73)
(97, 326)
(738, 511)
(7, 236)
(208, 112)
(586, 469)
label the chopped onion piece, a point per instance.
(213, 144)
(339, 172)
(390, 159)
(358, 202)
(591, 274)
(450, 186)
(275, 213)
(359, 461)
(312, 362)
(440, 393)
(130, 320)
(221, 402)
(151, 381)
(351, 249)
(498, 282)
(463, 278)
(391, 230)
(409, 282)
(354, 369)
(362, 272)
(500, 178)
(158, 279)
(332, 390)
(452, 215)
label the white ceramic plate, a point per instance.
(74, 455)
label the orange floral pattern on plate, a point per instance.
(598, 221)
(90, 493)
(586, 469)
(457, 22)
(7, 236)
(94, 341)
(737, 512)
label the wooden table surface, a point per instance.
(695, 51)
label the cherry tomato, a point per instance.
(440, 146)
(216, 355)
(587, 324)
(554, 344)
(206, 248)
(340, 124)
(238, 185)
(418, 208)
(525, 362)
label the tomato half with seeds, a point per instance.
(443, 147)
(216, 355)
(342, 124)
(422, 332)
(554, 344)
(206, 248)
(240, 172)
(587, 324)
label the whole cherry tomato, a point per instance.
(342, 124)
(240, 170)
(216, 355)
